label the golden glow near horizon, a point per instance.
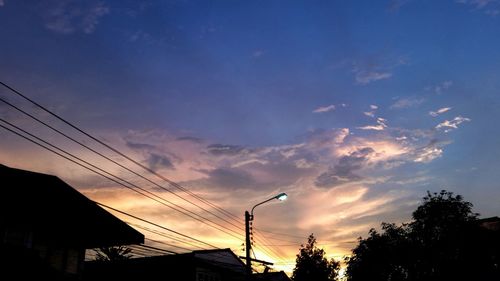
(329, 213)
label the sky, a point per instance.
(353, 108)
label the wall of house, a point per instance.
(65, 259)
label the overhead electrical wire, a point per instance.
(90, 169)
(178, 186)
(122, 166)
(128, 184)
(280, 234)
(167, 236)
(143, 193)
(117, 151)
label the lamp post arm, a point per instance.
(251, 213)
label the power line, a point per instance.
(278, 255)
(130, 185)
(122, 166)
(114, 178)
(280, 234)
(166, 236)
(69, 159)
(155, 224)
(167, 244)
(156, 249)
(221, 210)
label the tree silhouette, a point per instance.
(312, 265)
(114, 253)
(381, 256)
(442, 242)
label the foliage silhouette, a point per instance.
(114, 253)
(311, 264)
(444, 241)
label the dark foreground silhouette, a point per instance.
(444, 241)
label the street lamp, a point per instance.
(248, 219)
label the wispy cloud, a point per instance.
(334, 178)
(224, 149)
(341, 135)
(449, 125)
(343, 171)
(323, 109)
(2, 3)
(375, 69)
(395, 5)
(442, 87)
(489, 7)
(429, 152)
(157, 162)
(366, 77)
(479, 4)
(381, 125)
(439, 111)
(67, 17)
(407, 102)
(372, 112)
(258, 53)
(369, 113)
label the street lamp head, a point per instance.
(281, 196)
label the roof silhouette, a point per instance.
(54, 210)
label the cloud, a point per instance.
(67, 17)
(324, 109)
(366, 77)
(335, 179)
(190, 139)
(489, 7)
(157, 162)
(395, 5)
(376, 68)
(224, 149)
(320, 140)
(342, 134)
(479, 4)
(139, 146)
(439, 89)
(429, 152)
(2, 3)
(492, 13)
(372, 112)
(343, 171)
(233, 178)
(449, 125)
(407, 102)
(439, 111)
(258, 53)
(381, 125)
(140, 35)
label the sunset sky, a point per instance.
(353, 108)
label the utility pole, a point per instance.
(248, 245)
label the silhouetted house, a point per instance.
(272, 276)
(204, 265)
(46, 225)
(492, 224)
